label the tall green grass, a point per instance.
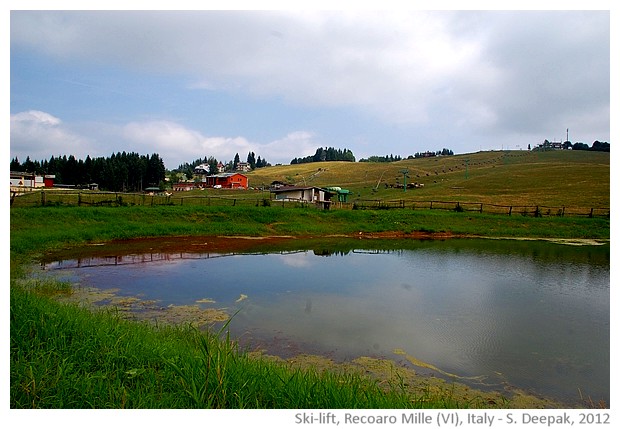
(63, 356)
(37, 229)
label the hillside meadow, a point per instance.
(546, 178)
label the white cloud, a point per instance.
(482, 73)
(34, 118)
(41, 135)
(178, 144)
(391, 64)
(293, 145)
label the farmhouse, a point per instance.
(310, 194)
(202, 169)
(243, 166)
(227, 180)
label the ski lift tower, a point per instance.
(405, 173)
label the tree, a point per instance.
(236, 161)
(28, 166)
(600, 146)
(252, 160)
(155, 170)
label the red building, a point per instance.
(227, 180)
(48, 180)
(183, 186)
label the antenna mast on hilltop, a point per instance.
(567, 135)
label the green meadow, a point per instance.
(65, 356)
(545, 178)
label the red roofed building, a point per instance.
(227, 180)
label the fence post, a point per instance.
(510, 211)
(42, 198)
(480, 207)
(591, 213)
(79, 199)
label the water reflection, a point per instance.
(532, 315)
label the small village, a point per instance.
(22, 182)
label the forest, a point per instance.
(126, 172)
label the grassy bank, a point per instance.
(63, 356)
(39, 229)
(66, 357)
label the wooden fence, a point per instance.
(464, 206)
(115, 199)
(72, 198)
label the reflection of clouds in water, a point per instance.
(465, 311)
(297, 260)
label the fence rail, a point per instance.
(465, 206)
(72, 198)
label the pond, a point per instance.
(493, 313)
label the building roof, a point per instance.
(202, 169)
(227, 174)
(300, 188)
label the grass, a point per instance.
(45, 228)
(63, 356)
(552, 178)
(572, 179)
(67, 357)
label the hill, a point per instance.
(546, 178)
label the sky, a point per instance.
(281, 83)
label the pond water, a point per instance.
(495, 313)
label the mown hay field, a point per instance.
(513, 178)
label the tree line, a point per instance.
(392, 158)
(119, 172)
(326, 154)
(597, 146)
(386, 158)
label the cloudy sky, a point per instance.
(281, 83)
